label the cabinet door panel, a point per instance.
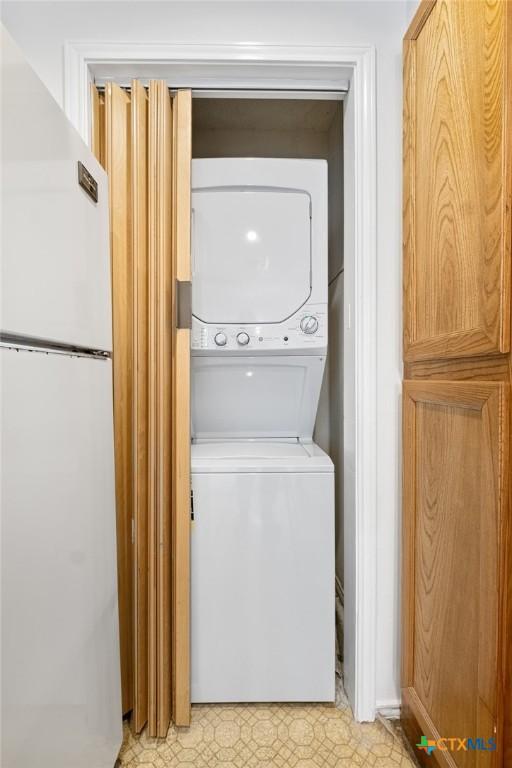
(455, 439)
(457, 182)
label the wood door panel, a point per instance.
(117, 148)
(455, 439)
(456, 182)
(180, 375)
(140, 565)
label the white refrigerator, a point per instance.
(60, 669)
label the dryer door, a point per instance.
(251, 253)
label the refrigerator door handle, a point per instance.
(30, 344)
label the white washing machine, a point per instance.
(263, 603)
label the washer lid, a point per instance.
(271, 396)
(251, 253)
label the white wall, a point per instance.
(41, 28)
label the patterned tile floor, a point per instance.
(262, 735)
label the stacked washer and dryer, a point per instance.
(263, 602)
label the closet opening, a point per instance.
(344, 72)
(273, 126)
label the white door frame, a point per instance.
(287, 68)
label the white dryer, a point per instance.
(263, 605)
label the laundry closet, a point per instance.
(267, 293)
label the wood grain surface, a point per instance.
(181, 480)
(118, 166)
(457, 532)
(140, 566)
(143, 137)
(456, 182)
(455, 437)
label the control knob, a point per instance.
(309, 324)
(243, 338)
(220, 339)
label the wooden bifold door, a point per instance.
(456, 566)
(142, 136)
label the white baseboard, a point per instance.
(389, 708)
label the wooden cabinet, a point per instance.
(456, 566)
(456, 162)
(455, 439)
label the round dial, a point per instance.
(220, 339)
(243, 338)
(309, 324)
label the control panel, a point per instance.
(306, 329)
